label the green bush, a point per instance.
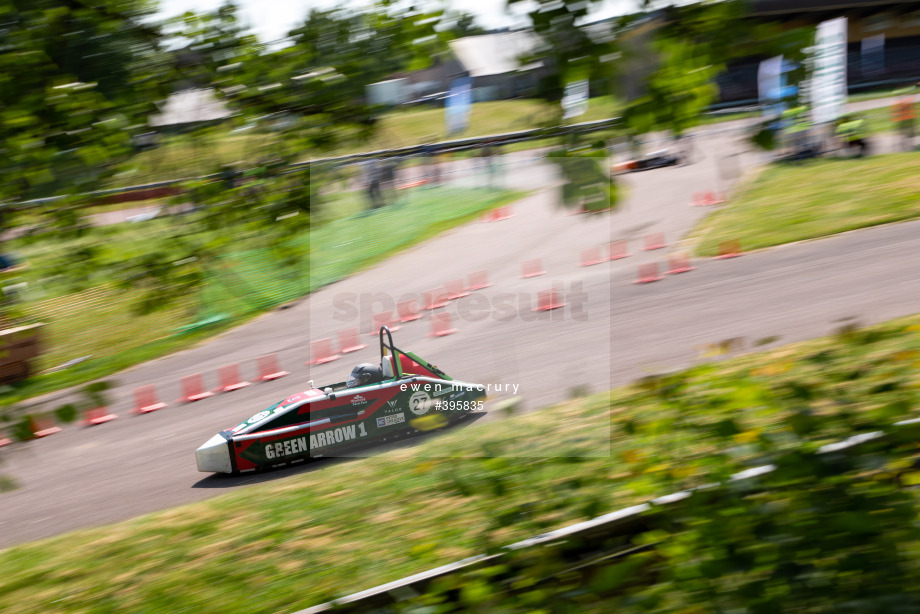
(22, 430)
(66, 413)
(95, 394)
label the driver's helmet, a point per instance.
(364, 374)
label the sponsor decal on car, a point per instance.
(420, 403)
(358, 400)
(259, 417)
(322, 439)
(392, 407)
(390, 420)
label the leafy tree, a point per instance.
(166, 275)
(464, 24)
(693, 45)
(572, 52)
(317, 83)
(72, 85)
(677, 93)
(588, 186)
(568, 49)
(213, 41)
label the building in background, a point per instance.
(190, 108)
(883, 48)
(492, 61)
(883, 51)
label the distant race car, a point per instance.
(656, 159)
(376, 403)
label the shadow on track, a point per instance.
(225, 480)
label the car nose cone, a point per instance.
(214, 456)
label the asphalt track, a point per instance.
(610, 332)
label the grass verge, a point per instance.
(365, 237)
(815, 198)
(350, 525)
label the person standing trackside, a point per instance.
(487, 154)
(851, 131)
(796, 126)
(374, 180)
(432, 171)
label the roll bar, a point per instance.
(388, 345)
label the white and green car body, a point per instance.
(414, 396)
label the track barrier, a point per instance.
(145, 400)
(413, 184)
(503, 213)
(479, 280)
(440, 325)
(678, 263)
(547, 300)
(407, 310)
(706, 199)
(729, 249)
(349, 341)
(703, 199)
(532, 268)
(230, 379)
(592, 256)
(617, 250)
(435, 299)
(321, 352)
(269, 369)
(384, 318)
(43, 425)
(193, 389)
(456, 288)
(97, 415)
(654, 241)
(497, 215)
(648, 273)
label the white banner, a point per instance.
(769, 80)
(575, 99)
(770, 85)
(458, 104)
(829, 80)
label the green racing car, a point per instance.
(404, 394)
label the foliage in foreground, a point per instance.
(815, 534)
(835, 531)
